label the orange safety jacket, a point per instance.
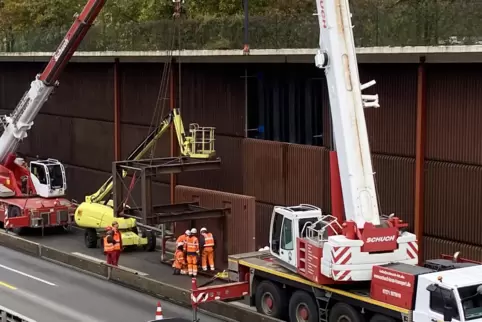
(178, 259)
(108, 247)
(182, 239)
(192, 244)
(117, 238)
(208, 240)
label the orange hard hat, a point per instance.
(108, 228)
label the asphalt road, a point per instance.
(44, 291)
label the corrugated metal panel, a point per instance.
(395, 186)
(82, 182)
(160, 193)
(92, 144)
(80, 142)
(264, 170)
(140, 87)
(229, 178)
(15, 79)
(85, 91)
(434, 247)
(214, 95)
(453, 113)
(391, 128)
(452, 201)
(239, 230)
(132, 135)
(304, 175)
(263, 222)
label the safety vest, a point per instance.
(179, 259)
(208, 240)
(181, 239)
(192, 244)
(117, 238)
(108, 247)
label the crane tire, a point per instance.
(151, 241)
(90, 238)
(303, 307)
(381, 318)
(344, 312)
(271, 300)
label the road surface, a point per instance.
(44, 291)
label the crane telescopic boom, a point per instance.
(338, 58)
(21, 119)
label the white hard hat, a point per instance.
(180, 244)
(194, 231)
(187, 232)
(203, 229)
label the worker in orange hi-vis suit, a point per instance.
(109, 246)
(182, 239)
(192, 250)
(118, 242)
(179, 263)
(207, 245)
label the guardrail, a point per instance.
(128, 278)
(7, 315)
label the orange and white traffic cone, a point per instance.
(159, 315)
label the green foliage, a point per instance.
(218, 24)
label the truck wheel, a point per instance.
(342, 312)
(303, 308)
(271, 300)
(90, 238)
(381, 318)
(151, 241)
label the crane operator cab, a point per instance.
(48, 177)
(288, 224)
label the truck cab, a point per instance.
(452, 295)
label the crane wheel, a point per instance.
(381, 318)
(151, 241)
(342, 312)
(90, 238)
(303, 307)
(271, 300)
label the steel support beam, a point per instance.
(118, 192)
(117, 111)
(159, 166)
(420, 155)
(174, 143)
(164, 218)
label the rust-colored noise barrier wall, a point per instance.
(129, 278)
(236, 233)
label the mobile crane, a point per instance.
(322, 267)
(96, 212)
(31, 196)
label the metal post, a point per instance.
(117, 111)
(144, 196)
(174, 149)
(246, 27)
(116, 188)
(420, 155)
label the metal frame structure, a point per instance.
(148, 169)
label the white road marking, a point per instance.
(97, 260)
(27, 275)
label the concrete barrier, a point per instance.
(19, 244)
(129, 278)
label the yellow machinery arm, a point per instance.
(199, 144)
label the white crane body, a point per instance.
(324, 248)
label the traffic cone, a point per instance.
(159, 315)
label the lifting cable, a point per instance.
(162, 95)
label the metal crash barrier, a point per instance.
(7, 315)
